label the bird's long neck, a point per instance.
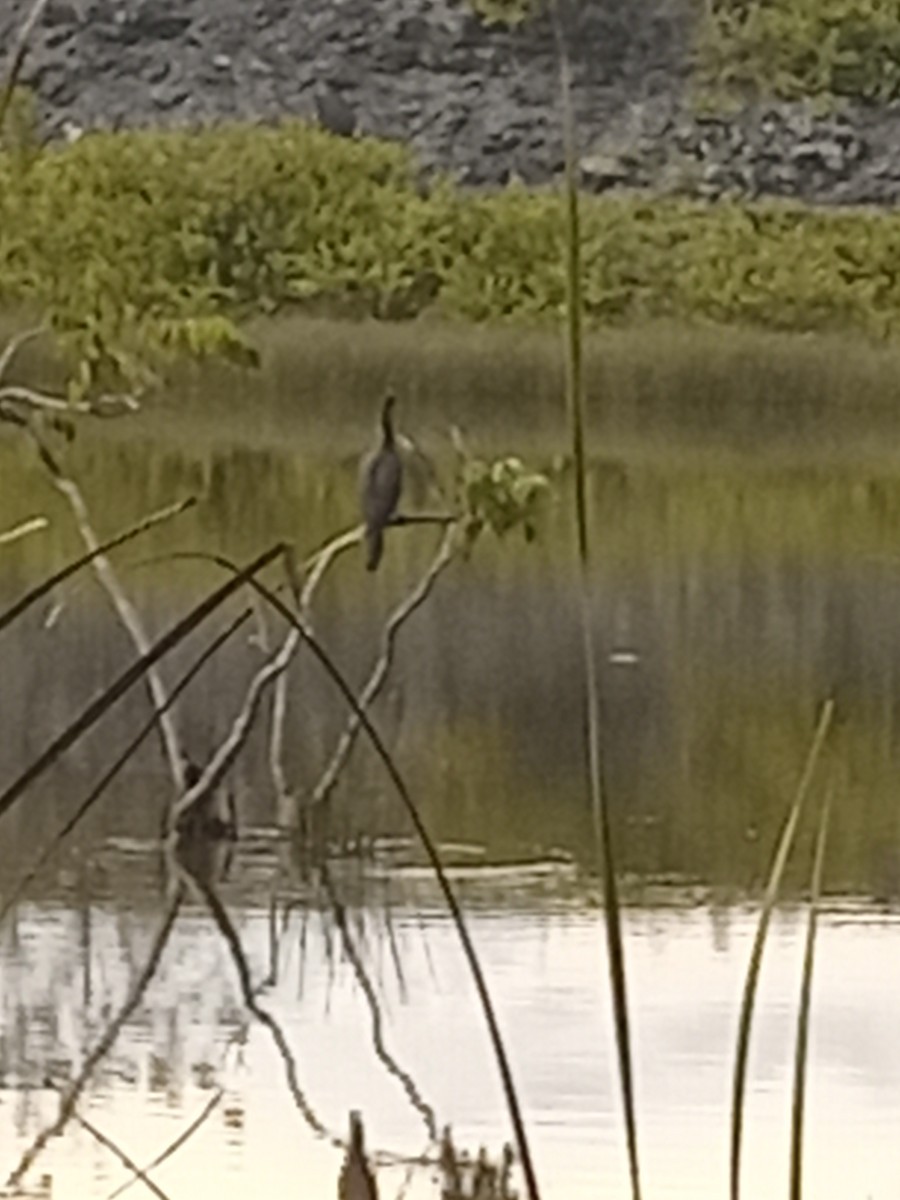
(387, 426)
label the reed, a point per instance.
(575, 410)
(770, 898)
(799, 1089)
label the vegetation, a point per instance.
(139, 247)
(798, 48)
(155, 242)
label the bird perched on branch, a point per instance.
(380, 486)
(356, 1180)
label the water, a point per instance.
(190, 1037)
(731, 597)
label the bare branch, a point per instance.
(33, 525)
(135, 671)
(434, 859)
(127, 613)
(315, 567)
(230, 748)
(378, 677)
(133, 531)
(110, 404)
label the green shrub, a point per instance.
(799, 48)
(165, 240)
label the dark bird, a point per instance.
(381, 484)
(333, 111)
(356, 1181)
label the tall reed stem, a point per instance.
(745, 1021)
(575, 406)
(799, 1095)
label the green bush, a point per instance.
(167, 239)
(799, 48)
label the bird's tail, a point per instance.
(374, 548)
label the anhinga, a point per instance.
(381, 484)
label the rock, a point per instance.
(479, 102)
(602, 171)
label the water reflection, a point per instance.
(190, 1040)
(729, 602)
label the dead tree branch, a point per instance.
(380, 671)
(46, 587)
(33, 525)
(315, 568)
(133, 673)
(229, 749)
(126, 611)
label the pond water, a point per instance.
(732, 595)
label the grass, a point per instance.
(651, 393)
(770, 899)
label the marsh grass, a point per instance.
(650, 391)
(770, 899)
(799, 1089)
(647, 391)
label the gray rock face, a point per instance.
(481, 102)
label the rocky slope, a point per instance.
(482, 102)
